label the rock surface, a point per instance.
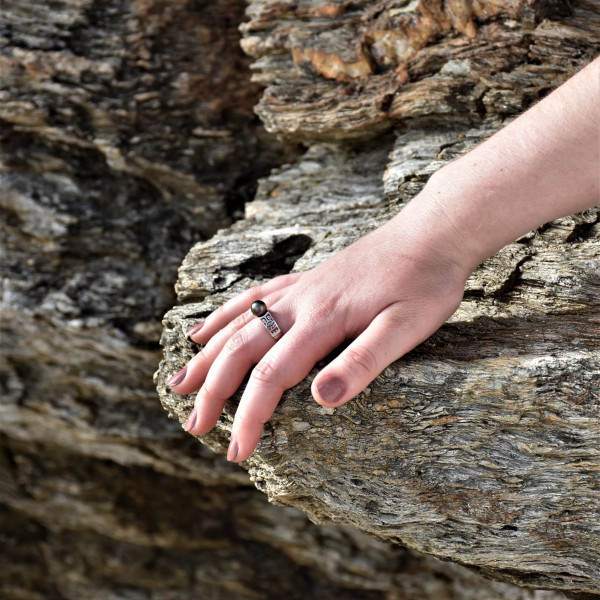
(481, 446)
(339, 70)
(127, 134)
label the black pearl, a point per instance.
(258, 308)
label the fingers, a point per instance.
(231, 353)
(282, 367)
(193, 375)
(390, 335)
(239, 305)
(241, 351)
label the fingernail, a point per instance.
(192, 420)
(232, 452)
(195, 329)
(332, 390)
(177, 378)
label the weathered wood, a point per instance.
(481, 446)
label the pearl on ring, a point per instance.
(258, 308)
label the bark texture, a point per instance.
(481, 446)
(126, 134)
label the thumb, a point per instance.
(390, 335)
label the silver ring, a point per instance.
(259, 309)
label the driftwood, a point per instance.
(126, 134)
(482, 445)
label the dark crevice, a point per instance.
(480, 106)
(582, 231)
(223, 284)
(511, 281)
(386, 103)
(554, 10)
(280, 259)
(509, 284)
(473, 294)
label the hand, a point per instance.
(389, 291)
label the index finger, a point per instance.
(282, 367)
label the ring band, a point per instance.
(259, 309)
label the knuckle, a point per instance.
(236, 342)
(250, 295)
(200, 362)
(398, 316)
(322, 311)
(239, 321)
(209, 391)
(288, 279)
(234, 326)
(265, 372)
(251, 420)
(360, 360)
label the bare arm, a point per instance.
(544, 165)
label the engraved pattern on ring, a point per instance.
(269, 322)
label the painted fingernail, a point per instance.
(192, 421)
(332, 390)
(195, 329)
(177, 378)
(233, 450)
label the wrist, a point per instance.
(452, 198)
(541, 166)
(434, 229)
(483, 206)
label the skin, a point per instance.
(393, 288)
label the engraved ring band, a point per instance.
(259, 309)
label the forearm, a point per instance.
(544, 165)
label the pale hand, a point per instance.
(388, 292)
(393, 288)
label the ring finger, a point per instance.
(197, 369)
(272, 290)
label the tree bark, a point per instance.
(480, 446)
